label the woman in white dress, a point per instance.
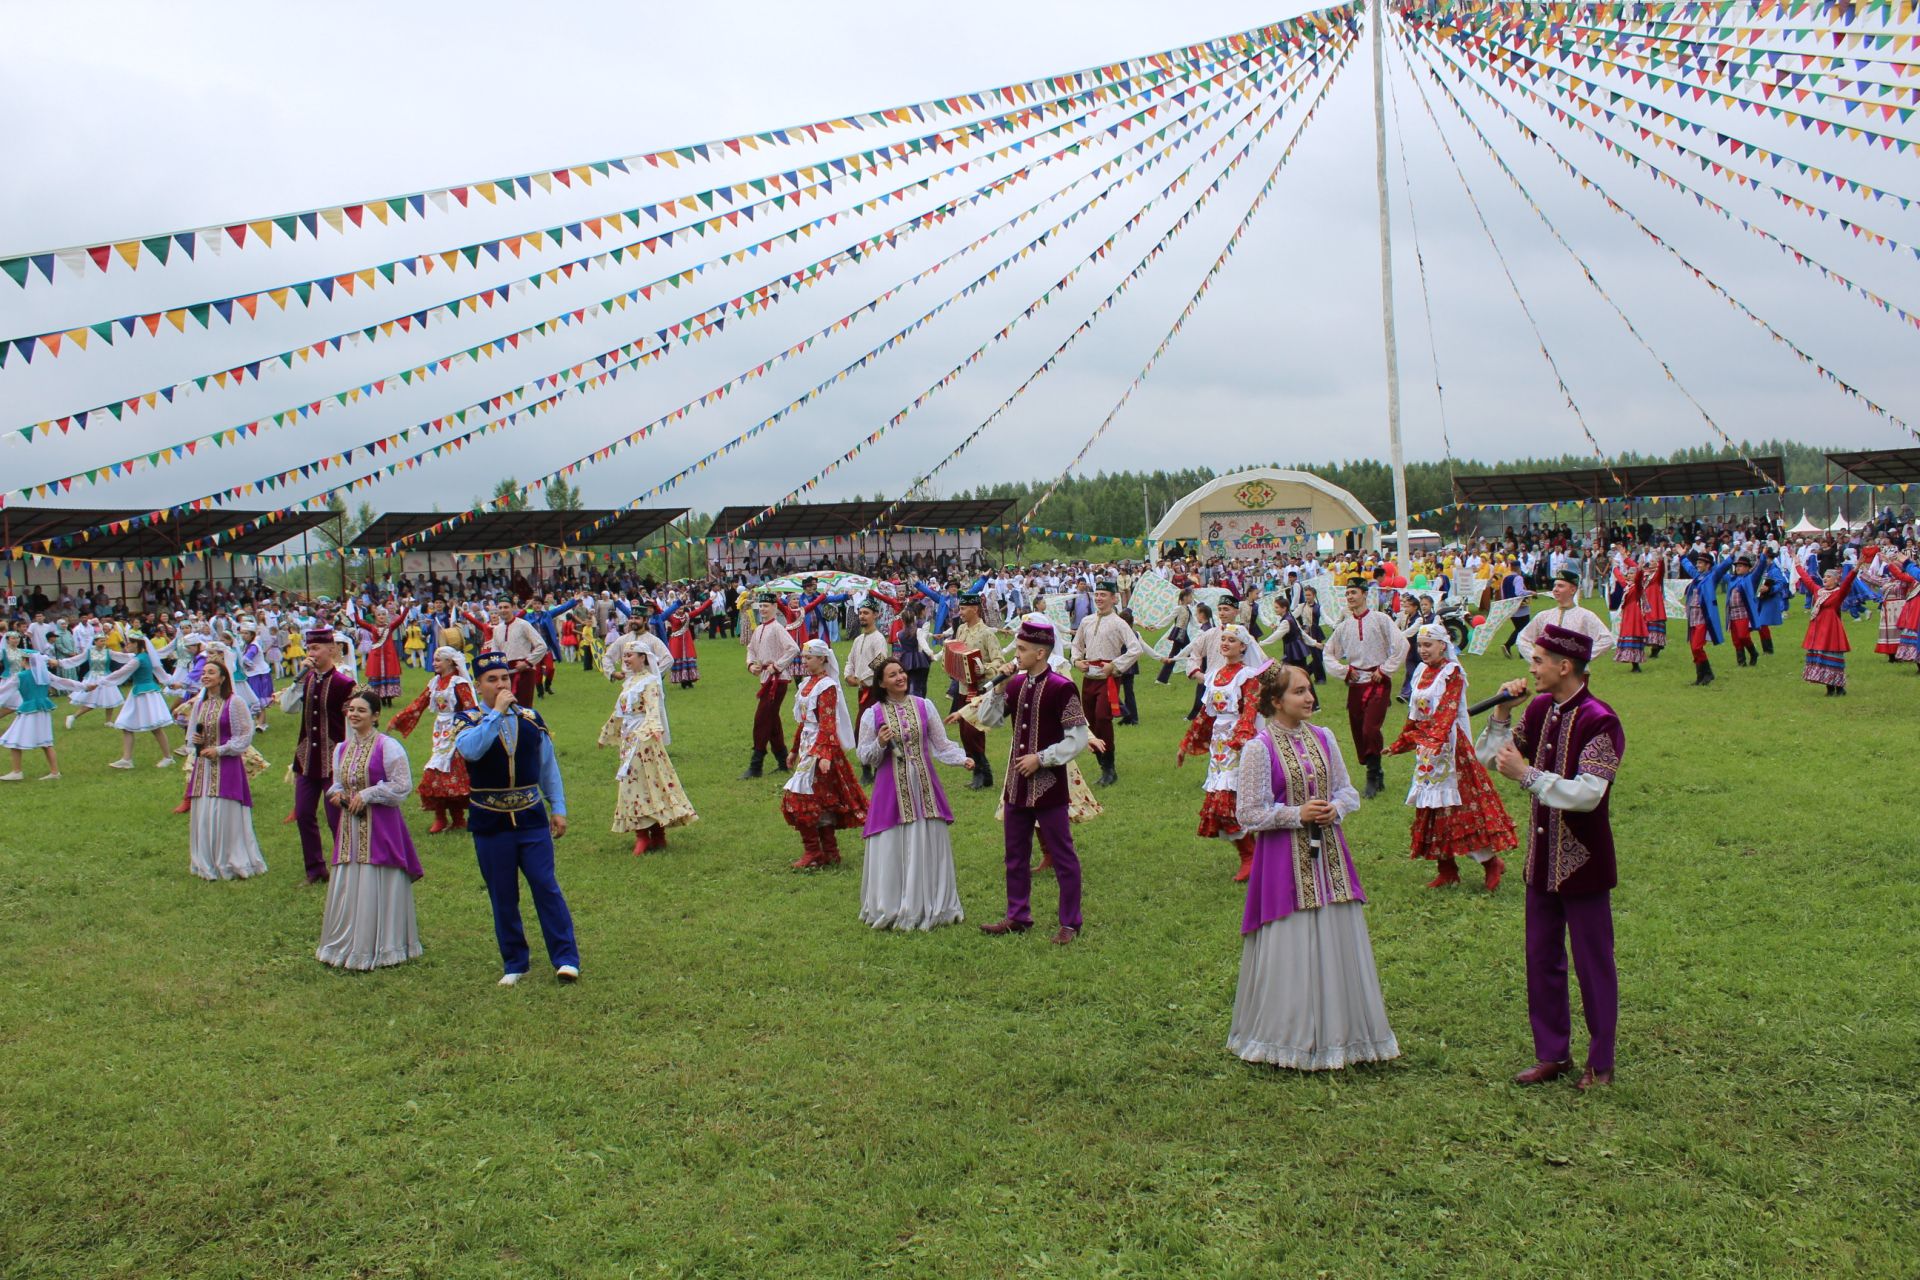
(219, 726)
(32, 726)
(906, 878)
(370, 921)
(146, 710)
(92, 668)
(650, 798)
(1308, 998)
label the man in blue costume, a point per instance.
(517, 809)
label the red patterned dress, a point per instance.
(443, 786)
(1227, 720)
(1456, 810)
(823, 795)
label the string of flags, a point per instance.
(1107, 303)
(270, 230)
(727, 206)
(1588, 183)
(689, 329)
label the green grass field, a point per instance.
(747, 1082)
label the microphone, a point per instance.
(1498, 699)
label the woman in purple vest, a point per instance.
(906, 877)
(369, 920)
(220, 841)
(1309, 998)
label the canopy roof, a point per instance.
(26, 526)
(508, 530)
(1663, 479)
(1880, 466)
(1805, 525)
(844, 519)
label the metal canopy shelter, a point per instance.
(1674, 479)
(845, 519)
(1880, 466)
(25, 526)
(510, 530)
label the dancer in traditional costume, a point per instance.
(1826, 641)
(443, 783)
(1226, 723)
(1105, 648)
(1567, 612)
(770, 650)
(1308, 997)
(221, 844)
(823, 796)
(1653, 605)
(91, 668)
(1565, 753)
(146, 708)
(682, 624)
(256, 670)
(863, 658)
(978, 643)
(380, 653)
(1893, 600)
(519, 808)
(1365, 650)
(1900, 563)
(319, 692)
(369, 921)
(650, 798)
(1757, 598)
(1633, 581)
(32, 726)
(1702, 603)
(1049, 730)
(1456, 812)
(906, 876)
(414, 645)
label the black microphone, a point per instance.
(1498, 699)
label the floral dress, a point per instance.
(443, 784)
(1226, 723)
(827, 795)
(1456, 811)
(650, 794)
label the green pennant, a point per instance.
(399, 208)
(304, 292)
(103, 330)
(201, 311)
(159, 247)
(16, 268)
(472, 254)
(387, 270)
(117, 408)
(290, 225)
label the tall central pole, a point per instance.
(1376, 18)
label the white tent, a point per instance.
(1839, 525)
(1806, 526)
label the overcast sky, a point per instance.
(130, 119)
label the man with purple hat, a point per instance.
(320, 691)
(1565, 753)
(1049, 729)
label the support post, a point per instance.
(1396, 454)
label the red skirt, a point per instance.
(450, 784)
(1479, 822)
(837, 800)
(1220, 816)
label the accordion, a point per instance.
(962, 664)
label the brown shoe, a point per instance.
(1541, 1072)
(1064, 935)
(1589, 1078)
(999, 927)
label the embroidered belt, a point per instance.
(504, 799)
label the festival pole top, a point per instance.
(1395, 453)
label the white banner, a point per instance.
(1497, 617)
(1152, 602)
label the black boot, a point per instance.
(754, 770)
(780, 758)
(982, 778)
(1739, 656)
(1107, 776)
(1702, 674)
(1766, 644)
(1376, 779)
(866, 775)
(1753, 656)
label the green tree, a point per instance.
(562, 496)
(509, 489)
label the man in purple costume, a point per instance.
(320, 693)
(1049, 729)
(1565, 754)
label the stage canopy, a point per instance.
(845, 519)
(511, 530)
(1666, 479)
(28, 526)
(1880, 466)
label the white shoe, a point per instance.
(51, 777)
(261, 728)
(69, 722)
(511, 979)
(121, 764)
(165, 762)
(182, 751)
(15, 776)
(567, 973)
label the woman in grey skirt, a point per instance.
(1308, 996)
(369, 920)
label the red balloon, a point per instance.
(1479, 621)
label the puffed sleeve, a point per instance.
(1253, 790)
